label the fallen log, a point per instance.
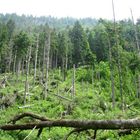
(92, 124)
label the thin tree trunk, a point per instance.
(14, 63)
(36, 55)
(43, 70)
(118, 55)
(18, 69)
(51, 61)
(138, 49)
(56, 60)
(0, 64)
(63, 68)
(39, 70)
(23, 66)
(73, 81)
(136, 34)
(138, 93)
(39, 66)
(66, 63)
(111, 74)
(10, 56)
(47, 65)
(27, 74)
(93, 78)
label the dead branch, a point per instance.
(61, 97)
(77, 130)
(124, 132)
(25, 106)
(39, 132)
(28, 114)
(29, 133)
(95, 133)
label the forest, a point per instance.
(69, 79)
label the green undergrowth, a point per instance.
(92, 101)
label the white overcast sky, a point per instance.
(72, 8)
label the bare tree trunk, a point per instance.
(23, 66)
(39, 70)
(18, 69)
(43, 70)
(59, 71)
(73, 81)
(63, 68)
(136, 34)
(93, 78)
(27, 74)
(66, 63)
(51, 61)
(118, 55)
(39, 66)
(111, 74)
(0, 63)
(14, 63)
(10, 55)
(138, 49)
(138, 87)
(47, 65)
(56, 60)
(36, 55)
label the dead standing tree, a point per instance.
(138, 50)
(36, 57)
(111, 72)
(118, 58)
(73, 82)
(47, 52)
(28, 57)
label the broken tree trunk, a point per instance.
(27, 114)
(98, 124)
(83, 124)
